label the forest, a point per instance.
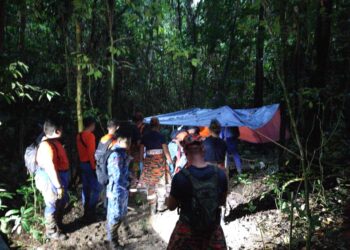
(73, 59)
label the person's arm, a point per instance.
(91, 148)
(172, 203)
(115, 161)
(44, 159)
(167, 153)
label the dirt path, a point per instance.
(255, 231)
(93, 236)
(249, 223)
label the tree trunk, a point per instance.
(179, 16)
(79, 76)
(21, 45)
(22, 26)
(259, 70)
(318, 79)
(110, 86)
(2, 24)
(66, 61)
(322, 42)
(192, 30)
(284, 75)
(229, 57)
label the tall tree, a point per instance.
(65, 17)
(259, 64)
(79, 80)
(2, 24)
(192, 30)
(110, 87)
(318, 78)
(22, 24)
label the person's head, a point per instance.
(215, 127)
(193, 130)
(52, 128)
(89, 123)
(123, 139)
(193, 147)
(112, 126)
(137, 117)
(154, 123)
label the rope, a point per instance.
(278, 144)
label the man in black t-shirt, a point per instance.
(199, 190)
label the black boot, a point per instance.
(114, 243)
(59, 218)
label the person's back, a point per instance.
(153, 140)
(86, 145)
(118, 173)
(209, 176)
(117, 190)
(198, 190)
(215, 149)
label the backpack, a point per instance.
(30, 158)
(101, 156)
(30, 154)
(205, 208)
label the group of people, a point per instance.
(189, 173)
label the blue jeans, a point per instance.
(232, 150)
(48, 190)
(64, 178)
(91, 187)
(236, 157)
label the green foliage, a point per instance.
(242, 178)
(4, 195)
(12, 89)
(251, 207)
(278, 183)
(28, 217)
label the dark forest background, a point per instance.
(110, 58)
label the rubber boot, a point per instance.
(52, 231)
(90, 216)
(114, 243)
(59, 218)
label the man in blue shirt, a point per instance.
(117, 190)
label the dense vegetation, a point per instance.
(114, 57)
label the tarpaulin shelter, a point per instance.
(257, 125)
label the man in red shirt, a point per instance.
(86, 144)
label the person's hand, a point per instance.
(171, 168)
(60, 193)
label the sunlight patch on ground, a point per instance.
(251, 232)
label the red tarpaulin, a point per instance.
(267, 133)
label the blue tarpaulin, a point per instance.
(252, 118)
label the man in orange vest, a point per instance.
(51, 178)
(86, 144)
